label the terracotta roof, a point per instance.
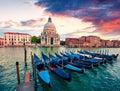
(73, 38)
(1, 38)
(93, 36)
(16, 33)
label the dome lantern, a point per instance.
(49, 19)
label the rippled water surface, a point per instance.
(106, 77)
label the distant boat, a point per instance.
(103, 56)
(42, 71)
(54, 68)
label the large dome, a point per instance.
(49, 26)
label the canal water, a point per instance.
(105, 77)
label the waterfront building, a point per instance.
(72, 42)
(49, 36)
(84, 41)
(91, 41)
(116, 43)
(103, 43)
(16, 39)
(1, 42)
(94, 41)
(109, 43)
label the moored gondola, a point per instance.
(64, 61)
(103, 56)
(42, 71)
(54, 68)
(74, 60)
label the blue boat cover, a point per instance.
(80, 64)
(61, 73)
(61, 57)
(94, 60)
(58, 71)
(45, 76)
(72, 67)
(45, 58)
(37, 60)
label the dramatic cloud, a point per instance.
(98, 9)
(110, 27)
(33, 23)
(72, 18)
(33, 27)
(93, 11)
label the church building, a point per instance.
(49, 36)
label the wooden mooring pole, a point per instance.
(18, 74)
(35, 77)
(25, 56)
(32, 63)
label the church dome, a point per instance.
(49, 26)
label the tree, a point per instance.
(35, 39)
(62, 42)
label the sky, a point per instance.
(72, 18)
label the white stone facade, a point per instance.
(49, 37)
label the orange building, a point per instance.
(84, 41)
(91, 41)
(116, 43)
(109, 43)
(72, 42)
(103, 43)
(16, 39)
(1, 42)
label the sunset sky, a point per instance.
(72, 18)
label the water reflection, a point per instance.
(106, 77)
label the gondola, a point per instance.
(42, 71)
(74, 60)
(84, 60)
(103, 56)
(54, 68)
(63, 61)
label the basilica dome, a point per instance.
(49, 26)
(49, 36)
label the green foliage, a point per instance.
(35, 39)
(62, 42)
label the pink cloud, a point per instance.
(111, 26)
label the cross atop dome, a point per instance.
(49, 19)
